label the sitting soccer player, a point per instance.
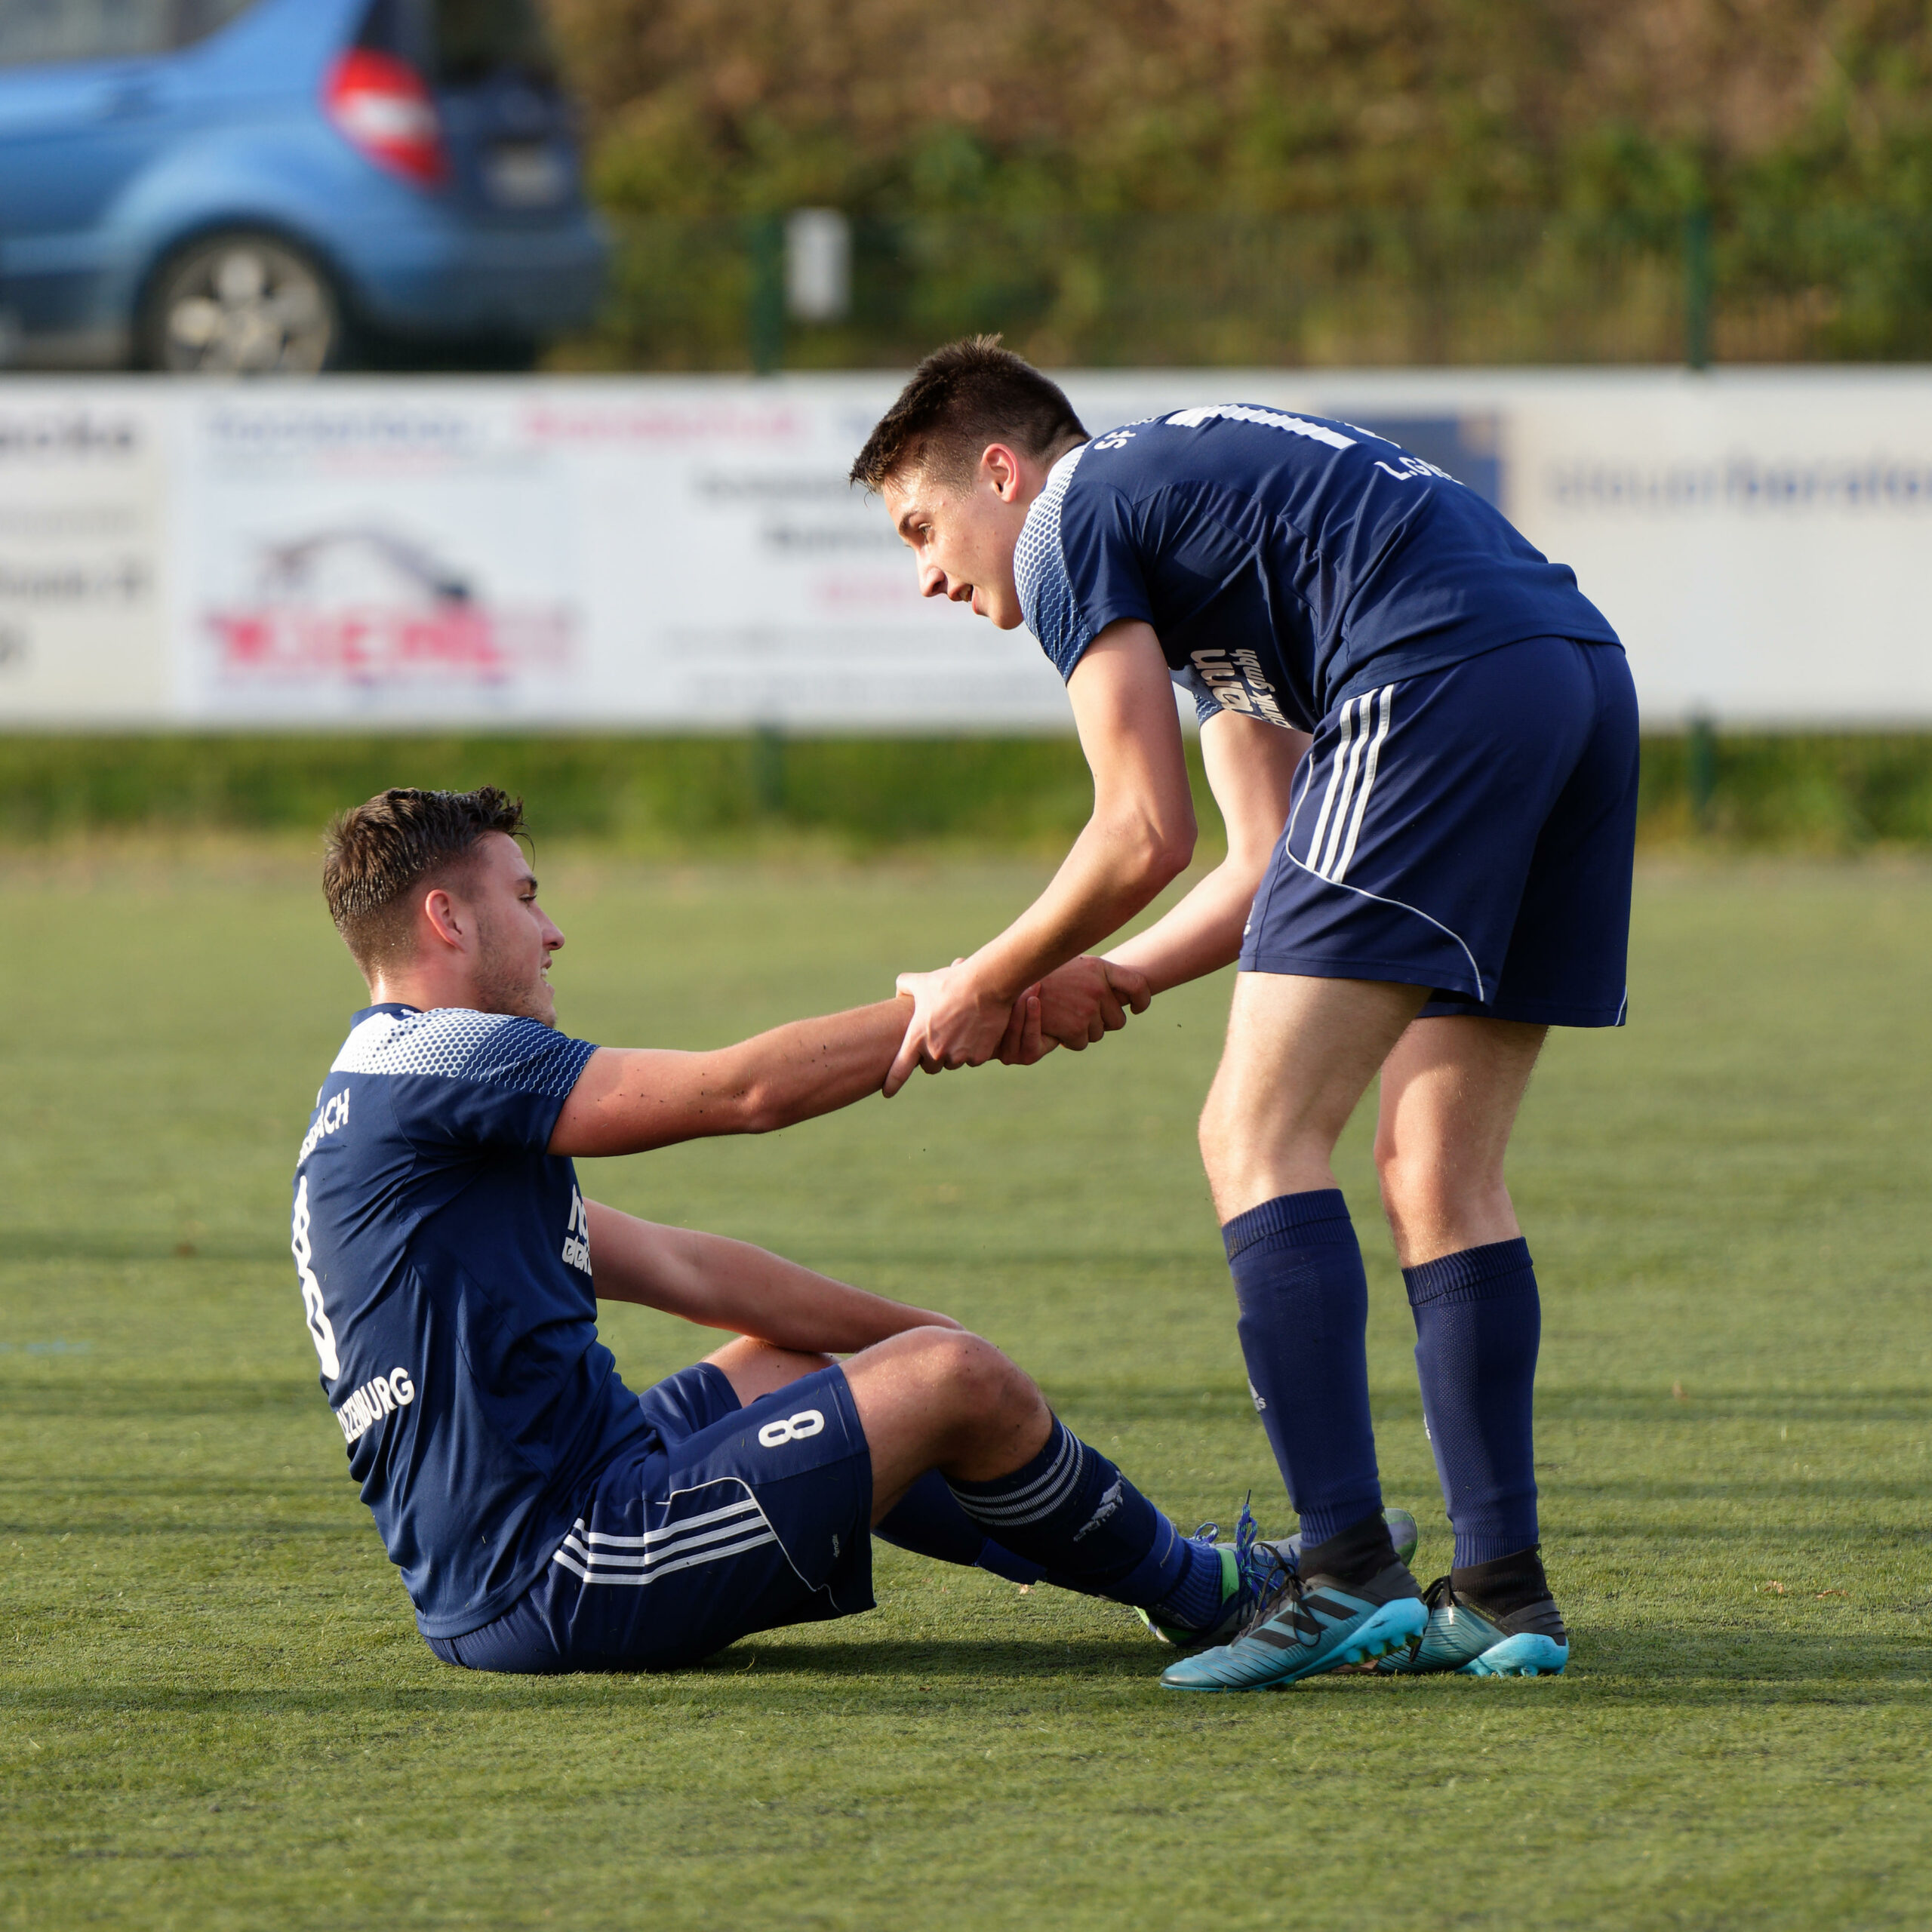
(545, 1517)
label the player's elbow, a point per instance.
(762, 1110)
(1174, 853)
(1159, 854)
(1147, 850)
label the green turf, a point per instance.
(214, 1712)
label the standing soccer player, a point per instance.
(1423, 738)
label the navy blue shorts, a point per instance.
(723, 1521)
(1469, 830)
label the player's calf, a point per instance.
(936, 1399)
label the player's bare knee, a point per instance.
(976, 1382)
(1216, 1135)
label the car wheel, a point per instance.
(242, 304)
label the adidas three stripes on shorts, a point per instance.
(1468, 830)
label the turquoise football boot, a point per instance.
(1461, 1637)
(1308, 1625)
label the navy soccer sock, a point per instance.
(928, 1520)
(1072, 1512)
(1304, 1321)
(1478, 1323)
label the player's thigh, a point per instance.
(759, 1520)
(1301, 1051)
(1451, 1089)
(756, 1368)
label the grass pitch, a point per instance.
(214, 1710)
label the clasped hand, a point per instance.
(955, 1024)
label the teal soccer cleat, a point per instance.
(1308, 1625)
(1530, 1642)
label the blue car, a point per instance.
(286, 185)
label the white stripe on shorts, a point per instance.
(1334, 778)
(640, 1578)
(1308, 864)
(712, 1536)
(1386, 699)
(1351, 772)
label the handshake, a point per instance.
(957, 1021)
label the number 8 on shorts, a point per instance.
(792, 1429)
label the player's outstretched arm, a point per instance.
(1139, 838)
(627, 1100)
(1251, 767)
(723, 1284)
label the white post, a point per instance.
(818, 265)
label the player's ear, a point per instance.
(446, 920)
(1000, 467)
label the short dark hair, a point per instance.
(378, 851)
(970, 393)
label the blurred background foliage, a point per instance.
(861, 797)
(1333, 181)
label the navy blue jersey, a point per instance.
(1285, 562)
(445, 1262)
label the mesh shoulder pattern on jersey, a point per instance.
(1039, 573)
(453, 1043)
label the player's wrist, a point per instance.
(994, 984)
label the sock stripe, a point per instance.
(1287, 1214)
(998, 1507)
(1474, 1274)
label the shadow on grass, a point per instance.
(82, 1382)
(1664, 1668)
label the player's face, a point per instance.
(514, 939)
(962, 536)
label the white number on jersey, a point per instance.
(320, 1331)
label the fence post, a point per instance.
(1698, 288)
(1700, 769)
(768, 771)
(764, 243)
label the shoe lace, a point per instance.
(1285, 1588)
(1268, 1581)
(1257, 1563)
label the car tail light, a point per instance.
(386, 109)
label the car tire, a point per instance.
(241, 302)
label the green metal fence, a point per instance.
(1359, 290)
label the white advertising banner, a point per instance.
(685, 554)
(84, 554)
(588, 554)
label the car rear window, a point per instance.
(458, 42)
(40, 32)
(475, 38)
